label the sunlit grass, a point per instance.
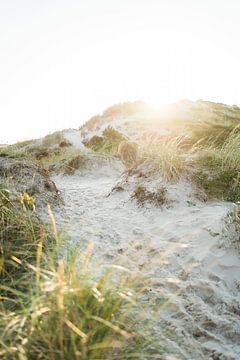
(69, 316)
(166, 157)
(63, 308)
(21, 232)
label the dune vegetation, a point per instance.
(53, 153)
(107, 143)
(58, 308)
(202, 145)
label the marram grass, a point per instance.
(166, 157)
(54, 308)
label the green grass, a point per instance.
(210, 132)
(71, 317)
(59, 308)
(18, 150)
(65, 161)
(20, 235)
(12, 151)
(58, 155)
(217, 169)
(107, 143)
(230, 151)
(62, 159)
(214, 168)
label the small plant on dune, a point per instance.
(142, 195)
(27, 201)
(161, 196)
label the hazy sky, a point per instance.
(63, 61)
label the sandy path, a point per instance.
(178, 247)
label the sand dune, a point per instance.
(181, 246)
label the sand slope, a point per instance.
(182, 249)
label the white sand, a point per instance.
(74, 137)
(182, 248)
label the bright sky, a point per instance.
(63, 61)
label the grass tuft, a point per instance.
(166, 157)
